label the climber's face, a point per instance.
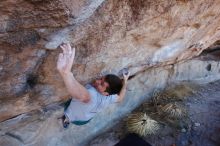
(101, 85)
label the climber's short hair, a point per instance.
(115, 84)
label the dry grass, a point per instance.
(174, 94)
(142, 124)
(168, 106)
(172, 110)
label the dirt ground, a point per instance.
(198, 126)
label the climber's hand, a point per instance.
(126, 76)
(65, 59)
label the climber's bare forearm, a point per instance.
(122, 92)
(75, 89)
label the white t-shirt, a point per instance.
(79, 111)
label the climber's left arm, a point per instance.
(123, 90)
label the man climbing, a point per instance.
(87, 101)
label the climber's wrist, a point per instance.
(65, 73)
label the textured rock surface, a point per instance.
(141, 35)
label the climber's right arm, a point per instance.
(64, 65)
(123, 90)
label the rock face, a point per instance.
(160, 42)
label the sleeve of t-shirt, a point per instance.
(92, 92)
(99, 98)
(106, 100)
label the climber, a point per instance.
(87, 101)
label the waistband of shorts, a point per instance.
(81, 122)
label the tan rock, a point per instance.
(150, 38)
